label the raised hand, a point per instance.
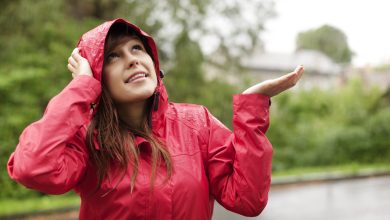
(273, 87)
(78, 65)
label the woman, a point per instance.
(113, 137)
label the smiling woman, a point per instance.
(134, 154)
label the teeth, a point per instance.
(136, 75)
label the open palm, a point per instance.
(273, 87)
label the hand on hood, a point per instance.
(78, 65)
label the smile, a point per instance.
(136, 77)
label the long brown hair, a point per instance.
(117, 139)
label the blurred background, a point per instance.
(330, 133)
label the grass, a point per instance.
(346, 168)
(44, 203)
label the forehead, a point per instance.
(121, 41)
(115, 42)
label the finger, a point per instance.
(299, 72)
(290, 79)
(287, 77)
(72, 61)
(76, 55)
(71, 68)
(73, 75)
(295, 75)
(298, 69)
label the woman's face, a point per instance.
(129, 71)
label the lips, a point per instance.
(136, 76)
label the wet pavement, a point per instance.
(357, 199)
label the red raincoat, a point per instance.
(209, 161)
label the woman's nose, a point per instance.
(132, 60)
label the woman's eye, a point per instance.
(137, 47)
(112, 56)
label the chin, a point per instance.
(143, 96)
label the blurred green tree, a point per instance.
(328, 40)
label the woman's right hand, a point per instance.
(78, 65)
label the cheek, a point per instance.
(112, 74)
(111, 80)
(152, 70)
(154, 78)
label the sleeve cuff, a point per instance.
(253, 99)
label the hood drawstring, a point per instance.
(155, 102)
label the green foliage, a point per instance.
(328, 40)
(33, 69)
(185, 81)
(187, 66)
(312, 128)
(43, 203)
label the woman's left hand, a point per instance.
(273, 87)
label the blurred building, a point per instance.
(371, 77)
(320, 70)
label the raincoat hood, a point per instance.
(91, 47)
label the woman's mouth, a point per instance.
(136, 77)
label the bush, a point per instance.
(316, 128)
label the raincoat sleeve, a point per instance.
(239, 163)
(51, 156)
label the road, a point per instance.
(358, 199)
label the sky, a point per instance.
(366, 24)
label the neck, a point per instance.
(133, 115)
